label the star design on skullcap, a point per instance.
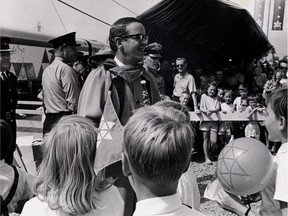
(104, 130)
(228, 166)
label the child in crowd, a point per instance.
(252, 129)
(184, 99)
(16, 184)
(187, 185)
(66, 182)
(220, 93)
(243, 91)
(273, 84)
(274, 195)
(202, 88)
(225, 128)
(157, 151)
(243, 104)
(209, 104)
(239, 126)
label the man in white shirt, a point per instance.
(183, 81)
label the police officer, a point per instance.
(60, 83)
(9, 95)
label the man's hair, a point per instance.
(181, 59)
(6, 138)
(119, 28)
(66, 178)
(278, 102)
(158, 143)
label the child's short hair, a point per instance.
(185, 93)
(229, 91)
(6, 138)
(213, 83)
(66, 177)
(244, 99)
(157, 143)
(252, 97)
(220, 88)
(278, 102)
(243, 86)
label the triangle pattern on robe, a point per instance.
(109, 140)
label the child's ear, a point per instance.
(283, 123)
(125, 165)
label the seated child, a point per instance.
(16, 184)
(157, 150)
(67, 183)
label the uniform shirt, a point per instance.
(61, 87)
(110, 204)
(24, 186)
(183, 83)
(167, 205)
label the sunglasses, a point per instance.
(180, 65)
(139, 37)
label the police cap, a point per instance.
(64, 40)
(4, 47)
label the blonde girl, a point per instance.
(66, 182)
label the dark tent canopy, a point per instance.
(205, 31)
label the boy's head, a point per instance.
(252, 100)
(220, 92)
(244, 104)
(228, 96)
(157, 145)
(276, 121)
(203, 81)
(184, 98)
(243, 90)
(6, 138)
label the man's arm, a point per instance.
(71, 88)
(93, 94)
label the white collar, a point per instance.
(283, 148)
(158, 205)
(118, 62)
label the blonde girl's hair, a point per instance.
(66, 178)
